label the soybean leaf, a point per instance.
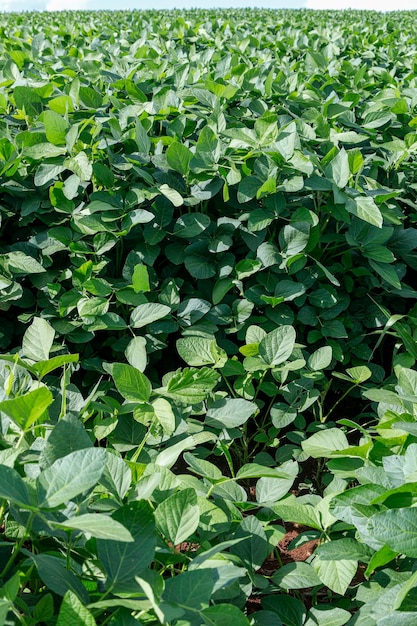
(38, 339)
(98, 526)
(131, 383)
(277, 346)
(146, 313)
(70, 476)
(72, 611)
(178, 516)
(29, 408)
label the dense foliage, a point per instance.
(207, 285)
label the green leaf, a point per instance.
(20, 263)
(191, 225)
(173, 196)
(345, 548)
(178, 516)
(192, 590)
(323, 443)
(67, 436)
(131, 383)
(277, 346)
(140, 278)
(365, 208)
(197, 351)
(320, 359)
(190, 386)
(122, 561)
(28, 100)
(291, 611)
(224, 615)
(55, 127)
(327, 616)
(98, 526)
(336, 575)
(254, 547)
(136, 353)
(338, 169)
(38, 339)
(73, 612)
(55, 575)
(179, 157)
(70, 476)
(42, 368)
(387, 272)
(12, 486)
(147, 313)
(396, 528)
(142, 140)
(296, 576)
(29, 408)
(230, 413)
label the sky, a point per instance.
(59, 5)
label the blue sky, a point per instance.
(57, 5)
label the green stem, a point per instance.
(17, 547)
(336, 404)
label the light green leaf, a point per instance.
(338, 169)
(277, 346)
(323, 443)
(70, 476)
(191, 225)
(21, 263)
(55, 127)
(136, 353)
(99, 526)
(142, 140)
(296, 576)
(147, 313)
(197, 351)
(396, 528)
(365, 208)
(38, 339)
(224, 615)
(327, 616)
(336, 575)
(173, 196)
(320, 359)
(230, 412)
(178, 516)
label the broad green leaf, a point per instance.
(325, 442)
(70, 476)
(98, 526)
(55, 127)
(28, 100)
(387, 272)
(197, 351)
(177, 517)
(20, 263)
(12, 486)
(122, 561)
(191, 225)
(365, 208)
(336, 575)
(38, 339)
(190, 386)
(291, 611)
(272, 489)
(224, 615)
(172, 194)
(147, 313)
(320, 359)
(277, 346)
(345, 548)
(73, 611)
(29, 408)
(327, 616)
(202, 467)
(296, 576)
(140, 278)
(253, 549)
(131, 383)
(42, 368)
(136, 353)
(192, 590)
(254, 470)
(117, 476)
(142, 140)
(67, 436)
(179, 157)
(396, 528)
(294, 512)
(338, 169)
(57, 577)
(230, 413)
